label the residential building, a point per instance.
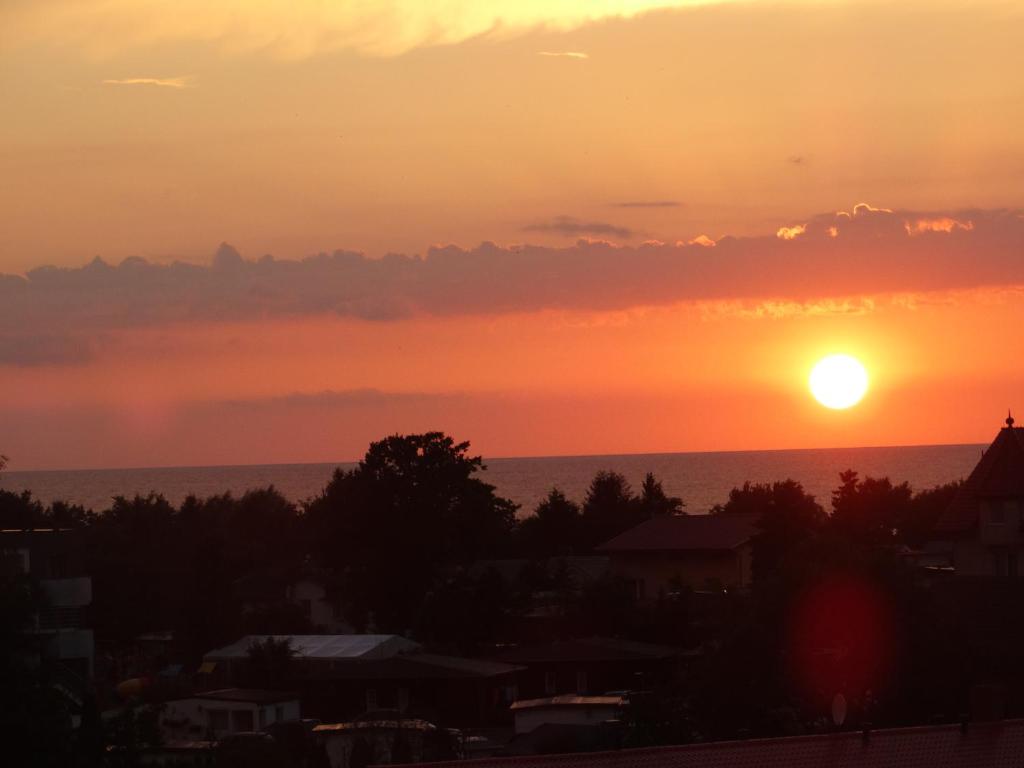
(664, 555)
(565, 710)
(51, 557)
(214, 714)
(984, 522)
(342, 677)
(592, 665)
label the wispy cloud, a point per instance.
(571, 227)
(159, 82)
(564, 54)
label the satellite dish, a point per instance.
(839, 710)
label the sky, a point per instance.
(248, 232)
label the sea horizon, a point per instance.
(701, 478)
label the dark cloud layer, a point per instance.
(53, 315)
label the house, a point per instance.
(565, 710)
(984, 521)
(665, 554)
(381, 740)
(981, 745)
(215, 714)
(590, 665)
(51, 556)
(342, 677)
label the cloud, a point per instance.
(564, 54)
(295, 28)
(59, 314)
(648, 204)
(570, 227)
(166, 82)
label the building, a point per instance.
(565, 710)
(981, 745)
(51, 557)
(592, 665)
(343, 677)
(984, 521)
(663, 555)
(215, 714)
(381, 741)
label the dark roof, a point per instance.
(938, 746)
(408, 666)
(248, 695)
(999, 474)
(568, 700)
(686, 533)
(586, 649)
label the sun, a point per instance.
(838, 381)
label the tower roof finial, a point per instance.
(1009, 418)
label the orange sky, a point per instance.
(158, 130)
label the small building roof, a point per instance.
(336, 647)
(568, 700)
(246, 695)
(937, 746)
(686, 533)
(999, 474)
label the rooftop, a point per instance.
(569, 700)
(939, 746)
(246, 695)
(998, 474)
(322, 646)
(686, 533)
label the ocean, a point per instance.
(700, 479)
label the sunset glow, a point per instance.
(546, 227)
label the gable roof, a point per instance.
(686, 533)
(999, 474)
(937, 746)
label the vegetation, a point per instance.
(412, 541)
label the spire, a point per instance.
(1009, 418)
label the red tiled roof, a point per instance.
(984, 745)
(715, 533)
(999, 474)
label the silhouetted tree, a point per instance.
(655, 502)
(555, 528)
(787, 519)
(871, 509)
(270, 661)
(410, 511)
(610, 508)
